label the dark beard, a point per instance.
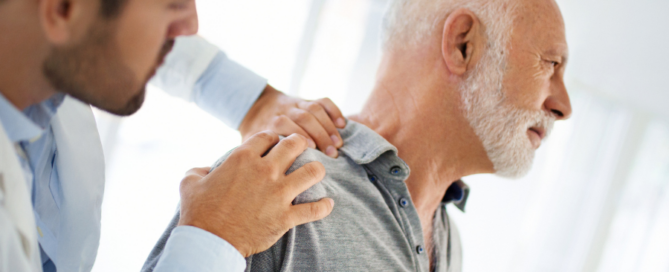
(93, 73)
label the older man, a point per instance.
(464, 87)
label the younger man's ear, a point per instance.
(462, 41)
(61, 19)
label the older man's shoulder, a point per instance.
(338, 172)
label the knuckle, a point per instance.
(281, 121)
(324, 99)
(314, 170)
(302, 116)
(185, 184)
(285, 192)
(303, 104)
(293, 142)
(241, 152)
(300, 140)
(314, 107)
(267, 135)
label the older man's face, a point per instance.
(512, 107)
(536, 62)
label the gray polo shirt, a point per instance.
(374, 225)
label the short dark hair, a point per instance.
(110, 9)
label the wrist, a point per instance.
(236, 240)
(266, 98)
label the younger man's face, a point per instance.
(110, 66)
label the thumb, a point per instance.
(309, 212)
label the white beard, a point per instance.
(501, 126)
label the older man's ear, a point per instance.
(462, 41)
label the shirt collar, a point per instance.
(457, 194)
(364, 146)
(31, 123)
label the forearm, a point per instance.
(228, 90)
(198, 71)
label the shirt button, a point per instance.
(404, 202)
(419, 249)
(372, 178)
(396, 171)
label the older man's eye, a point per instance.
(552, 63)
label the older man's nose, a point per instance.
(558, 102)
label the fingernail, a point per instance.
(335, 140)
(341, 122)
(331, 201)
(311, 143)
(331, 151)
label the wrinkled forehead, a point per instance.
(540, 24)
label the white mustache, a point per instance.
(542, 120)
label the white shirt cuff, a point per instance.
(193, 249)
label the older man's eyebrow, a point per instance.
(563, 55)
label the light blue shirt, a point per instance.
(225, 90)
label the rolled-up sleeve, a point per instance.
(227, 90)
(199, 71)
(194, 249)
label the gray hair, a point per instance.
(408, 22)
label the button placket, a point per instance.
(396, 170)
(419, 249)
(403, 202)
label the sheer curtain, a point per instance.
(639, 233)
(597, 198)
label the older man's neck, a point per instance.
(414, 110)
(436, 147)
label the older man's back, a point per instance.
(374, 226)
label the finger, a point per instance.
(309, 212)
(333, 111)
(319, 112)
(193, 175)
(303, 178)
(198, 171)
(284, 126)
(310, 124)
(259, 143)
(286, 151)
